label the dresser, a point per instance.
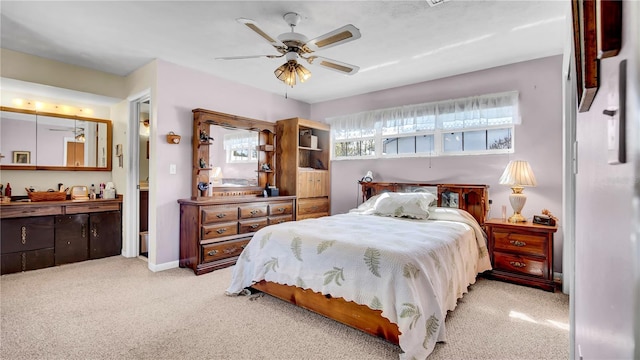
(35, 235)
(214, 231)
(521, 253)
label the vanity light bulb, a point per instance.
(18, 102)
(39, 105)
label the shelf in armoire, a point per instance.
(265, 171)
(308, 148)
(204, 144)
(204, 169)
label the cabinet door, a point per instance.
(305, 184)
(105, 234)
(23, 234)
(72, 238)
(320, 184)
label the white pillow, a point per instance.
(411, 205)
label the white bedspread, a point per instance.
(412, 270)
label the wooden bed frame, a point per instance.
(472, 198)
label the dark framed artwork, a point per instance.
(597, 34)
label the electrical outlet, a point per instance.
(172, 169)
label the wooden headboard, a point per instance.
(472, 198)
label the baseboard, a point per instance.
(164, 266)
(557, 279)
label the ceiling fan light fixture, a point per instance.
(288, 71)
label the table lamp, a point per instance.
(517, 175)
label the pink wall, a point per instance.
(604, 247)
(538, 139)
(181, 90)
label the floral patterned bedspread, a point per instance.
(412, 270)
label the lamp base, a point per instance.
(516, 218)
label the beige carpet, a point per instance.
(115, 308)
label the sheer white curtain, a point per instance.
(464, 113)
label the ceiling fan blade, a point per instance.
(336, 37)
(248, 57)
(334, 65)
(254, 26)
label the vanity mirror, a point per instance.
(46, 141)
(232, 155)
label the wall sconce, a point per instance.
(172, 138)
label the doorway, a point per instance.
(143, 176)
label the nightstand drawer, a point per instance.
(520, 243)
(519, 264)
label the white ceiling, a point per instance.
(403, 42)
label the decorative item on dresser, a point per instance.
(214, 231)
(303, 165)
(42, 234)
(521, 252)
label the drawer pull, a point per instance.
(23, 235)
(212, 252)
(253, 212)
(254, 226)
(280, 209)
(94, 231)
(517, 264)
(230, 250)
(83, 231)
(221, 215)
(221, 231)
(517, 243)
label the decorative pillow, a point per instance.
(411, 205)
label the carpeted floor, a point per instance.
(115, 308)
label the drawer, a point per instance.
(253, 211)
(520, 265)
(280, 208)
(24, 234)
(279, 219)
(219, 213)
(223, 250)
(249, 226)
(88, 207)
(14, 211)
(521, 243)
(313, 206)
(219, 230)
(27, 260)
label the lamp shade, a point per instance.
(518, 173)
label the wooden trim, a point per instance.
(349, 313)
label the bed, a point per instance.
(392, 267)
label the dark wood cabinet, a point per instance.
(71, 238)
(38, 235)
(105, 234)
(27, 243)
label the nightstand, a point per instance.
(521, 252)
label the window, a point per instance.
(474, 125)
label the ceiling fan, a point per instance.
(293, 46)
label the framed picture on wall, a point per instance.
(597, 34)
(22, 157)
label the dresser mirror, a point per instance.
(45, 141)
(234, 157)
(232, 154)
